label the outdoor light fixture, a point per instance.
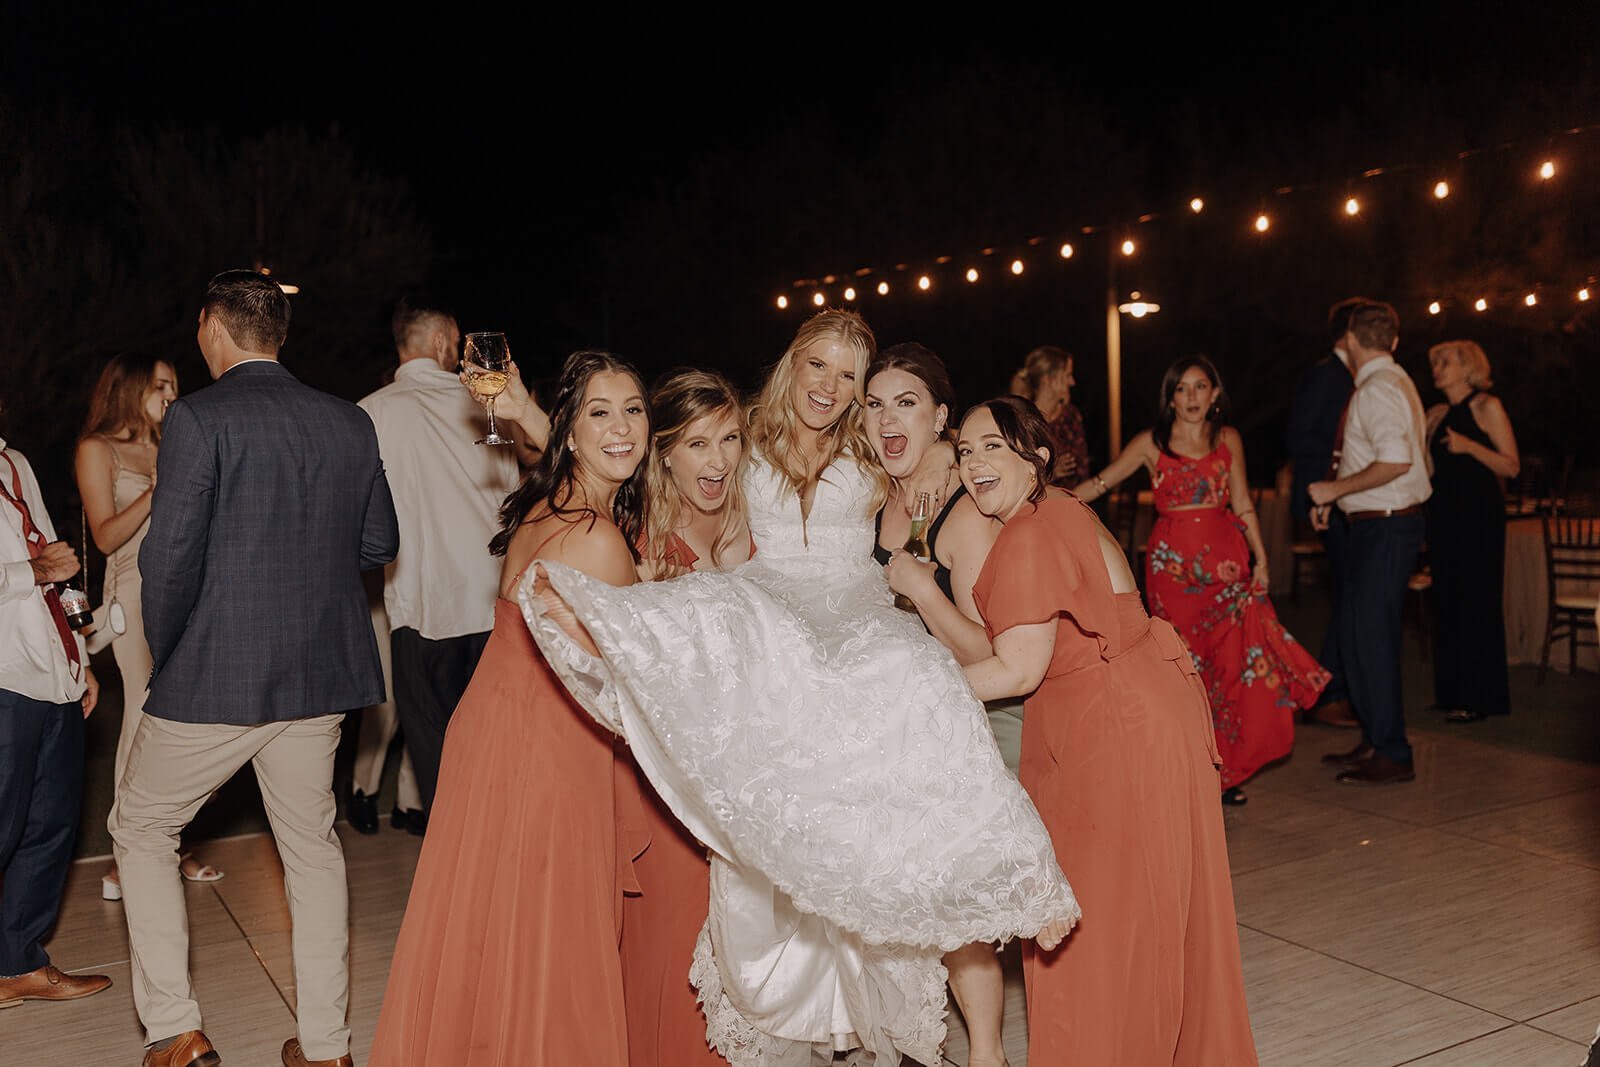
(818, 299)
(1016, 266)
(1197, 205)
(883, 288)
(972, 274)
(924, 282)
(1530, 300)
(1441, 190)
(1547, 169)
(1066, 251)
(1583, 294)
(783, 302)
(1481, 304)
(1263, 223)
(850, 293)
(1352, 206)
(1138, 307)
(1127, 248)
(1434, 308)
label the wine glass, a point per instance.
(487, 360)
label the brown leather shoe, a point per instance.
(1358, 755)
(47, 983)
(294, 1056)
(1379, 770)
(188, 1049)
(1333, 713)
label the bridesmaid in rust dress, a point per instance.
(1119, 756)
(695, 521)
(509, 952)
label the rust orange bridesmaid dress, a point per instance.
(509, 951)
(1119, 756)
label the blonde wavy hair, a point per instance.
(1472, 358)
(774, 424)
(676, 403)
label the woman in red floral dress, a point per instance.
(1200, 577)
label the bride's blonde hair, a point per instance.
(675, 403)
(774, 424)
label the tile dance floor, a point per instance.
(1452, 921)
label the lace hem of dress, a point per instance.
(739, 1042)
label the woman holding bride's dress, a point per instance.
(824, 747)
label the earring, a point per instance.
(667, 463)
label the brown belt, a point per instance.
(1392, 513)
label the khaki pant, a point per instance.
(173, 767)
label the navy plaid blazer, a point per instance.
(270, 501)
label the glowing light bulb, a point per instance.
(972, 274)
(1530, 300)
(1016, 266)
(1352, 206)
(1481, 304)
(1434, 308)
(924, 282)
(850, 293)
(1583, 294)
(883, 288)
(1127, 248)
(1547, 169)
(783, 302)
(818, 299)
(1441, 190)
(1263, 224)
(1197, 205)
(1066, 251)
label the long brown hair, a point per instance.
(773, 422)
(676, 402)
(116, 407)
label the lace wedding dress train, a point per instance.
(832, 756)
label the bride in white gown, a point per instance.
(824, 747)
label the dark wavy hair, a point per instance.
(1166, 414)
(551, 478)
(922, 363)
(1025, 433)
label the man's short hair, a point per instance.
(1375, 324)
(252, 308)
(414, 313)
(1339, 317)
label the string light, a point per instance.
(1481, 304)
(783, 302)
(850, 293)
(1352, 206)
(1197, 205)
(972, 274)
(1066, 250)
(1547, 169)
(924, 283)
(1530, 300)
(1127, 247)
(818, 299)
(1434, 308)
(883, 288)
(1441, 189)
(1583, 294)
(1263, 223)
(1016, 266)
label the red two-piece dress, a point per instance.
(1119, 757)
(666, 1027)
(509, 953)
(1199, 579)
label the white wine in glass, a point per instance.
(917, 543)
(487, 360)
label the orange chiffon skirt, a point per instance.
(509, 953)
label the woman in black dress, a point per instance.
(1470, 449)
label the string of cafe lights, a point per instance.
(858, 286)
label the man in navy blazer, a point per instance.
(270, 500)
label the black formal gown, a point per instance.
(1467, 552)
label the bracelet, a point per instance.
(1101, 482)
(1247, 511)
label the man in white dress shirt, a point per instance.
(46, 691)
(440, 590)
(1381, 485)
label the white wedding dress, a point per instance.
(832, 756)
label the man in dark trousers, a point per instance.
(1319, 400)
(270, 500)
